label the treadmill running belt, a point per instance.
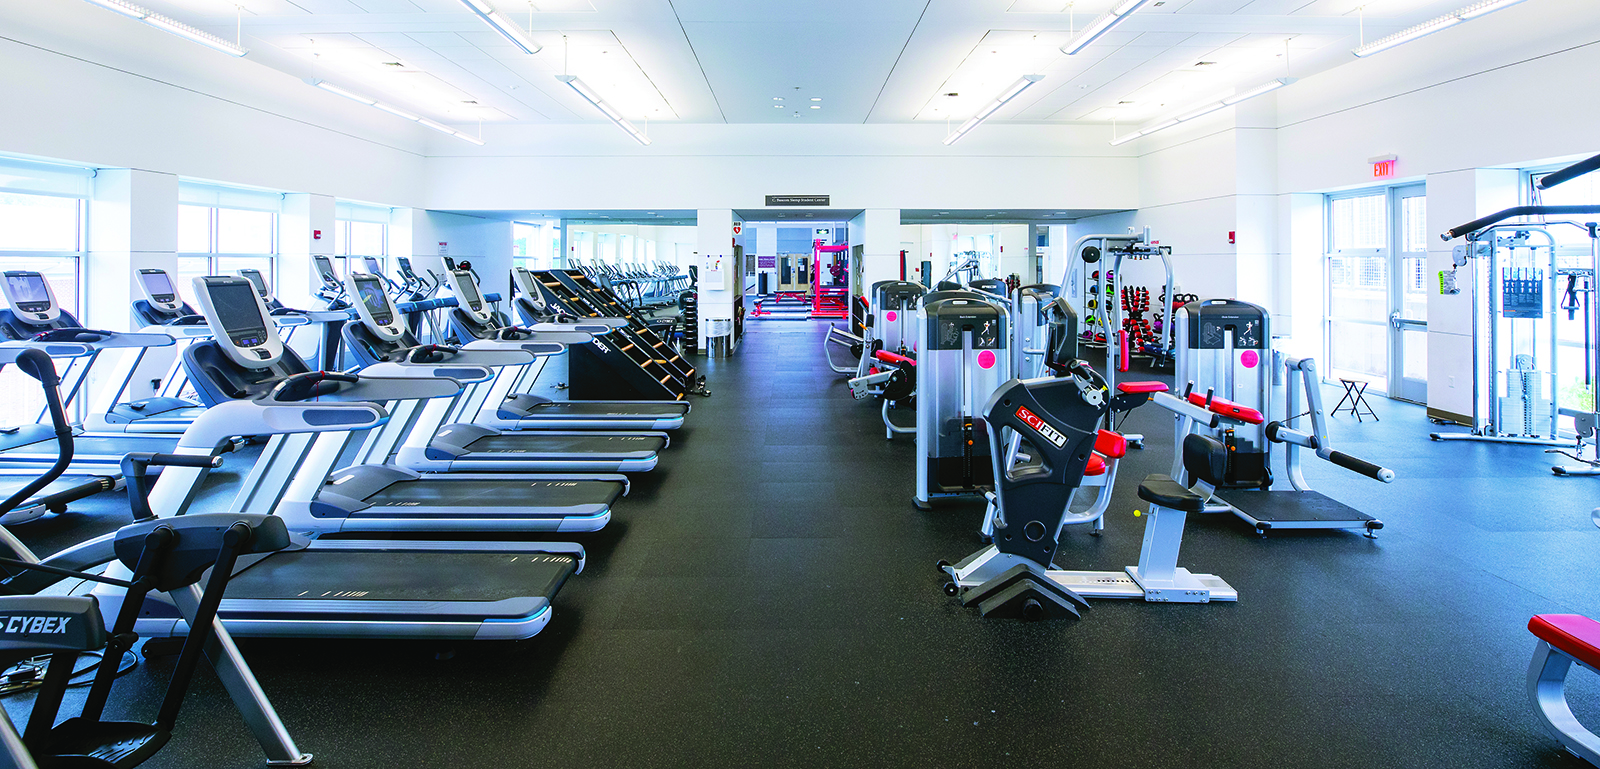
(548, 446)
(86, 446)
(495, 497)
(591, 409)
(352, 578)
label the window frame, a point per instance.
(212, 238)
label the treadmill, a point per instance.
(353, 588)
(504, 409)
(292, 477)
(65, 489)
(433, 446)
(162, 312)
(35, 315)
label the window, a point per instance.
(222, 230)
(361, 231)
(528, 248)
(1572, 356)
(42, 228)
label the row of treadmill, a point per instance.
(1007, 409)
(405, 489)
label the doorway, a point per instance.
(1377, 299)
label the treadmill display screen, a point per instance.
(254, 276)
(372, 265)
(469, 290)
(405, 266)
(238, 313)
(158, 285)
(28, 291)
(373, 297)
(325, 270)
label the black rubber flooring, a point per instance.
(767, 597)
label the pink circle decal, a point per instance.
(986, 359)
(1249, 358)
(890, 316)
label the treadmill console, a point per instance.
(524, 281)
(30, 297)
(372, 265)
(159, 291)
(260, 283)
(404, 265)
(239, 319)
(325, 271)
(374, 307)
(467, 295)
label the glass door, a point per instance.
(1408, 292)
(1358, 287)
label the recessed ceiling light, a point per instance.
(816, 98)
(777, 98)
(815, 106)
(777, 106)
(944, 212)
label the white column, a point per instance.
(720, 279)
(134, 225)
(877, 230)
(1457, 197)
(305, 229)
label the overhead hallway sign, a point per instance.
(797, 200)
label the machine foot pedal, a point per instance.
(1023, 592)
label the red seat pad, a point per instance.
(1111, 444)
(1096, 466)
(1142, 387)
(1574, 634)
(896, 358)
(1228, 409)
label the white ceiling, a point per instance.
(713, 61)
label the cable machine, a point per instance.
(1531, 283)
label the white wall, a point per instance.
(89, 86)
(734, 166)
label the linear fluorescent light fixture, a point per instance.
(1433, 25)
(396, 111)
(505, 26)
(1102, 25)
(611, 114)
(999, 101)
(171, 25)
(1184, 117)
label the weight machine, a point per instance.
(1517, 395)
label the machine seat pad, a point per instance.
(1097, 465)
(1142, 387)
(1228, 409)
(1111, 444)
(1162, 490)
(895, 358)
(1574, 634)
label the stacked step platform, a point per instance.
(628, 363)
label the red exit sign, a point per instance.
(1382, 167)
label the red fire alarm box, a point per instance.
(1231, 238)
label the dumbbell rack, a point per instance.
(628, 363)
(1135, 303)
(1097, 291)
